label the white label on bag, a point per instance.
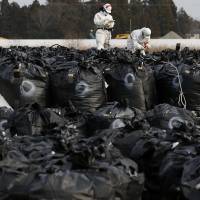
(30, 92)
(129, 80)
(118, 123)
(175, 144)
(174, 119)
(106, 85)
(2, 123)
(82, 89)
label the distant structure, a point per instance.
(194, 34)
(92, 34)
(171, 35)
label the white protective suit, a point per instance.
(104, 23)
(137, 40)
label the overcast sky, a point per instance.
(26, 2)
(192, 7)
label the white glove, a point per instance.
(109, 23)
(147, 46)
(143, 52)
(140, 47)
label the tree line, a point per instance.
(74, 18)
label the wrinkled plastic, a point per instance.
(83, 87)
(172, 118)
(33, 120)
(132, 82)
(115, 115)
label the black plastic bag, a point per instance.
(101, 183)
(115, 115)
(133, 82)
(5, 114)
(8, 87)
(191, 179)
(32, 168)
(191, 86)
(173, 118)
(33, 87)
(33, 120)
(171, 169)
(125, 142)
(167, 83)
(23, 83)
(83, 87)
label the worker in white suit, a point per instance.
(139, 40)
(104, 23)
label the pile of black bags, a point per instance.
(176, 74)
(103, 125)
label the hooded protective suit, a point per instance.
(139, 40)
(104, 23)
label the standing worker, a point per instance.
(105, 23)
(139, 40)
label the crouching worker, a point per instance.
(104, 23)
(139, 40)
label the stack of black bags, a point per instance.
(102, 125)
